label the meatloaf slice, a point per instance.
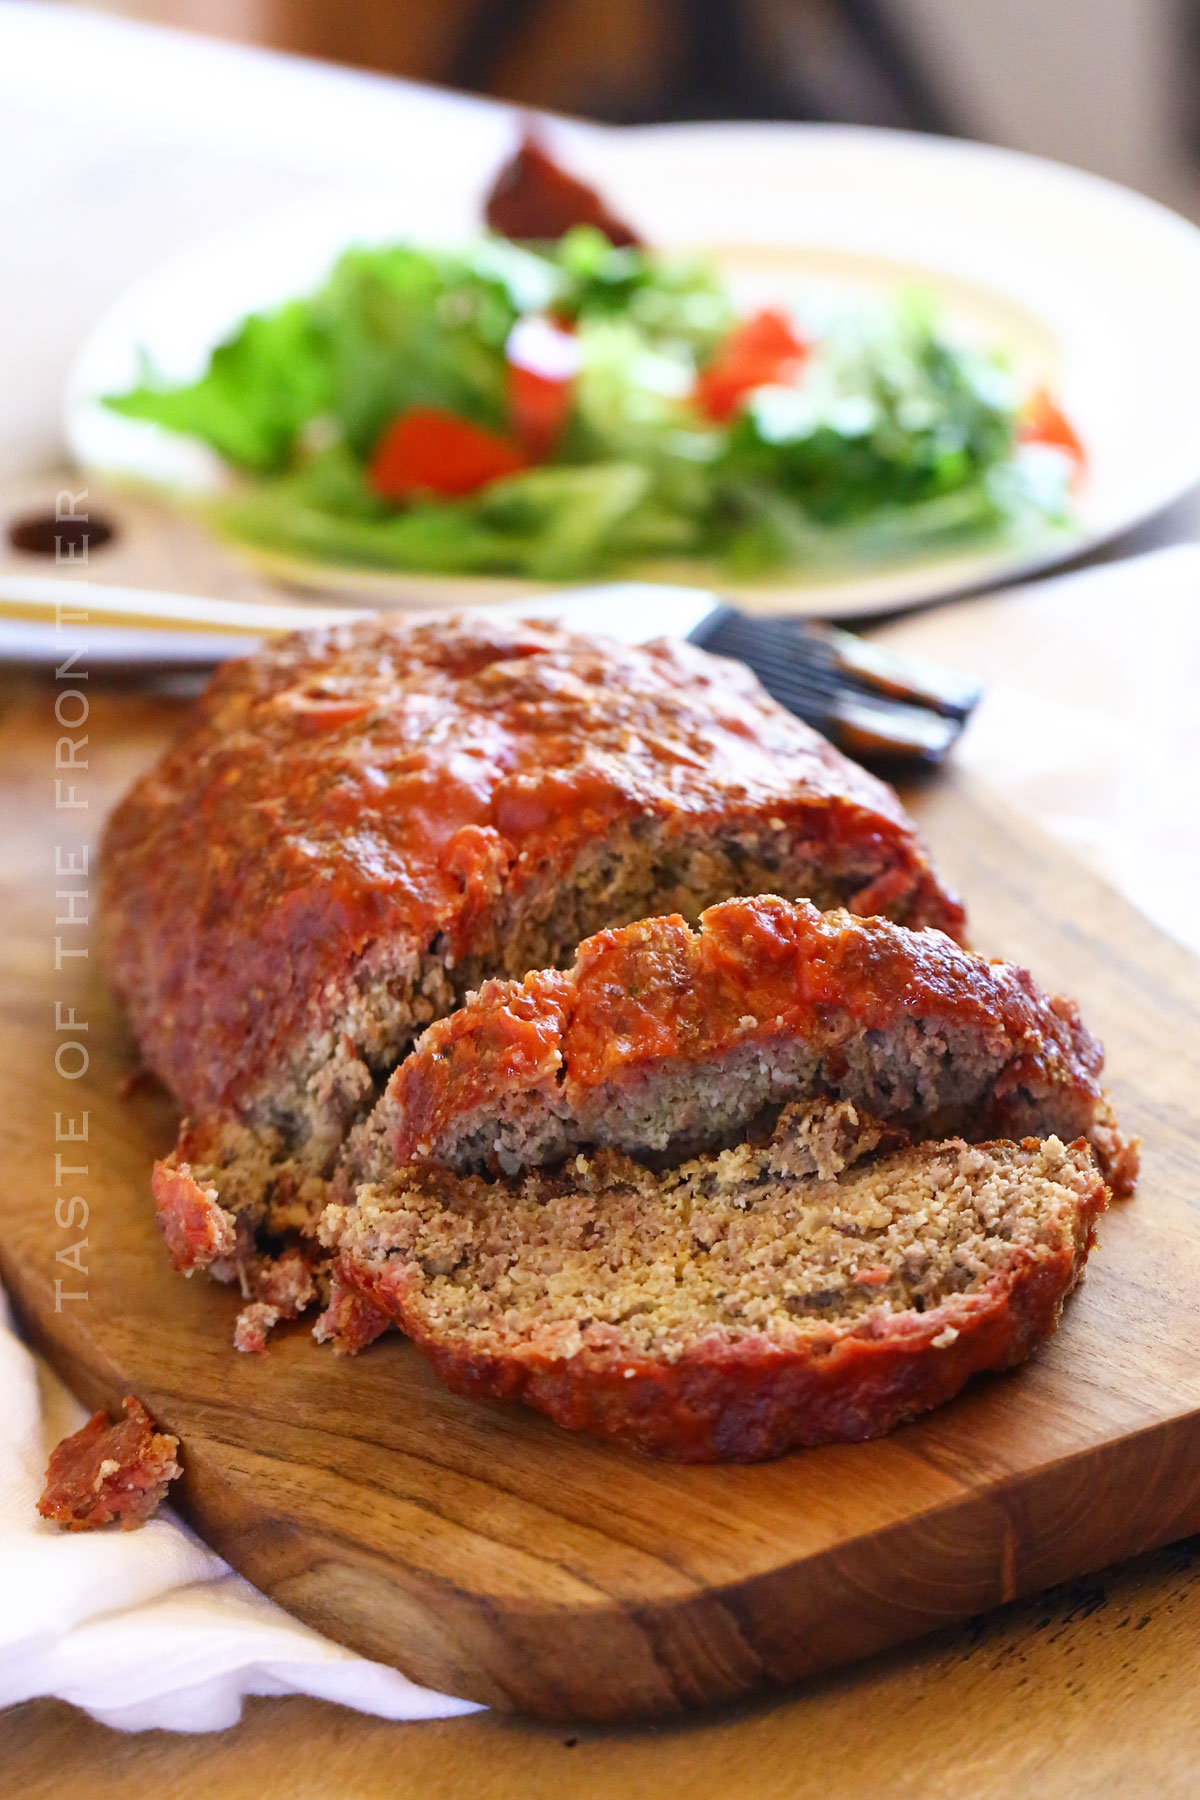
(358, 826)
(662, 1040)
(744, 1303)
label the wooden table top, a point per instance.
(1090, 1691)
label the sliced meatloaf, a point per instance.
(813, 1288)
(661, 1040)
(358, 826)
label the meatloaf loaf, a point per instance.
(661, 1040)
(357, 826)
(813, 1288)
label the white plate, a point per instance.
(1083, 282)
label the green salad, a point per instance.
(578, 408)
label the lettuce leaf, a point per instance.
(391, 328)
(413, 328)
(889, 414)
(548, 523)
(261, 387)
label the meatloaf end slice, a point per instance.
(662, 1040)
(803, 1291)
(358, 826)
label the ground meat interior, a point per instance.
(800, 1236)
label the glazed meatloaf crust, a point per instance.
(358, 826)
(811, 1289)
(661, 1040)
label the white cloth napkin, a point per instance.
(146, 1629)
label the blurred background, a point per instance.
(147, 143)
(1108, 85)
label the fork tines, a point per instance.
(872, 702)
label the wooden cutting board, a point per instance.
(479, 1548)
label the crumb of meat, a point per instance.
(283, 1287)
(254, 1325)
(110, 1474)
(349, 1322)
(1119, 1156)
(197, 1228)
(285, 1282)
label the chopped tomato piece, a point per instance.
(760, 351)
(538, 406)
(1044, 423)
(767, 334)
(430, 451)
(543, 360)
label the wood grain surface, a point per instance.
(491, 1555)
(1086, 1693)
